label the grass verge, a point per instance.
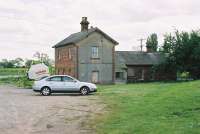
(12, 71)
(151, 108)
(19, 82)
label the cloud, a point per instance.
(28, 26)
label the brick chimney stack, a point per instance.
(84, 24)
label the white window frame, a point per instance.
(95, 52)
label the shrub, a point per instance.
(184, 75)
(24, 82)
(20, 82)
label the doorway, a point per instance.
(95, 76)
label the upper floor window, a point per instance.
(59, 54)
(95, 52)
(70, 53)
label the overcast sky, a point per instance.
(27, 26)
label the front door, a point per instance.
(69, 84)
(95, 76)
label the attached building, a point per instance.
(132, 66)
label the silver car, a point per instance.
(62, 84)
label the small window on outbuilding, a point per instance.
(119, 75)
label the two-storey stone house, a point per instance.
(88, 55)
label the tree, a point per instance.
(184, 52)
(7, 64)
(28, 63)
(168, 43)
(43, 58)
(18, 62)
(152, 42)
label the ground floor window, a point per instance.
(119, 75)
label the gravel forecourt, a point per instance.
(24, 112)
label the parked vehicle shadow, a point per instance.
(64, 94)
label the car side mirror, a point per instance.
(74, 81)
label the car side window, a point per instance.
(67, 79)
(56, 78)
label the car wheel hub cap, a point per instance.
(46, 91)
(84, 90)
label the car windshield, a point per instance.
(43, 77)
(74, 79)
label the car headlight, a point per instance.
(93, 86)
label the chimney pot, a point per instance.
(84, 24)
(84, 18)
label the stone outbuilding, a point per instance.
(133, 66)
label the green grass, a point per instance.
(19, 82)
(151, 108)
(22, 81)
(12, 71)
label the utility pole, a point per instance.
(141, 43)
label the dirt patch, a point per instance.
(23, 111)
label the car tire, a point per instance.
(85, 90)
(46, 91)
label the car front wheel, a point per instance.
(84, 90)
(46, 91)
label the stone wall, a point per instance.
(103, 64)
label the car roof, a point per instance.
(59, 75)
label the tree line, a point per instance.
(182, 50)
(26, 63)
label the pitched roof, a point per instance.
(139, 58)
(76, 37)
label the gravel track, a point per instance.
(24, 112)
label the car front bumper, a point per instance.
(93, 90)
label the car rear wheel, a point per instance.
(84, 90)
(46, 91)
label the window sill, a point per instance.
(95, 58)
